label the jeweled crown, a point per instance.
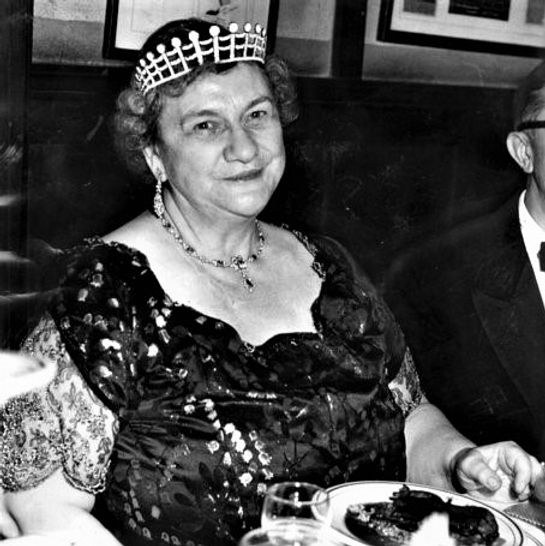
(176, 59)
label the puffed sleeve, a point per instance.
(402, 376)
(63, 426)
(360, 314)
(95, 310)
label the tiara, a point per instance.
(169, 64)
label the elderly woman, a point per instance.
(204, 354)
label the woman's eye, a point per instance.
(206, 128)
(203, 126)
(258, 115)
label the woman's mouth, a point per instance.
(245, 175)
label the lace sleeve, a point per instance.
(406, 386)
(62, 426)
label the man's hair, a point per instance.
(529, 100)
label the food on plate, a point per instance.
(391, 523)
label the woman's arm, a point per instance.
(53, 437)
(8, 527)
(432, 443)
(56, 509)
(432, 446)
(438, 455)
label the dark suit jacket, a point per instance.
(470, 308)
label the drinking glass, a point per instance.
(290, 532)
(286, 501)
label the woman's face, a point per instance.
(220, 143)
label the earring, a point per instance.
(158, 205)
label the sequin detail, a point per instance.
(205, 423)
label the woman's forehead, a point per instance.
(237, 87)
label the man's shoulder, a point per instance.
(460, 250)
(480, 233)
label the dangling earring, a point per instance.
(158, 205)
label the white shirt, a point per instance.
(533, 235)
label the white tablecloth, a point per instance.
(533, 535)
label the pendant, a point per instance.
(238, 262)
(241, 265)
(246, 281)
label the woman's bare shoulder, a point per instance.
(143, 233)
(284, 242)
(146, 235)
(137, 229)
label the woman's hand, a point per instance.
(438, 455)
(502, 471)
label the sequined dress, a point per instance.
(178, 426)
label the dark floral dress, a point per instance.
(179, 426)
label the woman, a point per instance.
(204, 354)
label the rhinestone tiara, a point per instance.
(168, 64)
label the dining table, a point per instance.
(519, 523)
(530, 518)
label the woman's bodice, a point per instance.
(207, 421)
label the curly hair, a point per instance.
(136, 118)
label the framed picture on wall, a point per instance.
(322, 37)
(510, 27)
(129, 22)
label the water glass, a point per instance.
(287, 501)
(290, 532)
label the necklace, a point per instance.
(236, 262)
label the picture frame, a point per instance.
(322, 38)
(504, 27)
(129, 22)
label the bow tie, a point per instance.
(541, 255)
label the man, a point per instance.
(472, 303)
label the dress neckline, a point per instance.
(316, 265)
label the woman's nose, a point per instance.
(241, 146)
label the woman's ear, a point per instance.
(155, 163)
(520, 148)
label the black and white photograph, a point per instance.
(516, 27)
(272, 272)
(129, 22)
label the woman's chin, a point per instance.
(251, 203)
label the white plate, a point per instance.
(365, 492)
(530, 540)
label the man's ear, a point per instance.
(520, 148)
(155, 163)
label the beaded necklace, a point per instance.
(236, 262)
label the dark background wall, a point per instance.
(395, 141)
(379, 165)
